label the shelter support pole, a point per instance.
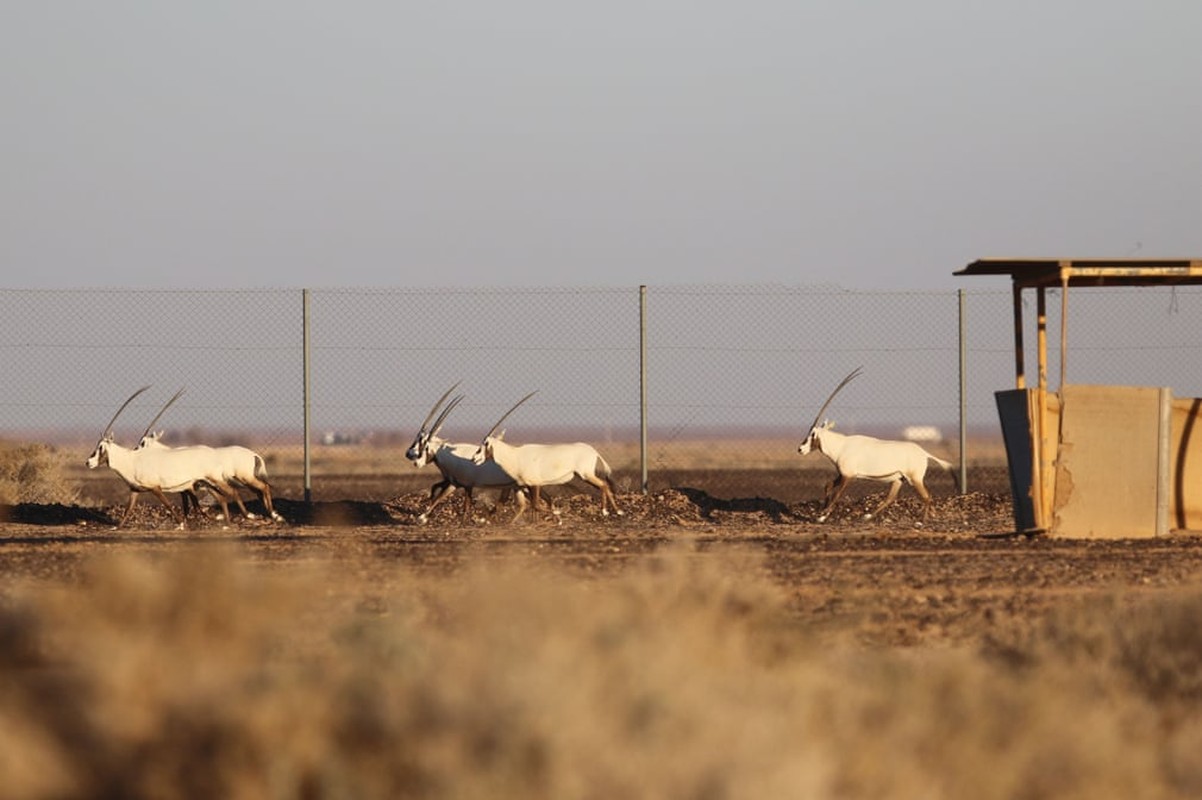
(1164, 467)
(1020, 377)
(1063, 327)
(1041, 335)
(1044, 446)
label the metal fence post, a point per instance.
(306, 398)
(643, 386)
(963, 395)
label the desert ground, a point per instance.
(714, 641)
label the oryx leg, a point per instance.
(263, 489)
(133, 498)
(191, 495)
(166, 503)
(184, 497)
(894, 488)
(605, 487)
(535, 495)
(440, 488)
(833, 492)
(438, 493)
(926, 498)
(826, 491)
(224, 492)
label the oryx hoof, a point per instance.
(605, 512)
(821, 518)
(249, 515)
(275, 517)
(868, 516)
(422, 519)
(220, 517)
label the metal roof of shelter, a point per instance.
(1062, 272)
(1043, 274)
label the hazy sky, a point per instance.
(533, 142)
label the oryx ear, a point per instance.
(500, 435)
(828, 424)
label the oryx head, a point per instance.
(100, 455)
(485, 451)
(153, 439)
(421, 451)
(812, 440)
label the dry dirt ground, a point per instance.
(961, 577)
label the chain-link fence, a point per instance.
(733, 374)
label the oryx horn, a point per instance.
(855, 373)
(109, 428)
(161, 410)
(437, 426)
(434, 410)
(505, 416)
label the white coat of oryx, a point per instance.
(234, 461)
(533, 466)
(454, 462)
(138, 472)
(221, 469)
(869, 458)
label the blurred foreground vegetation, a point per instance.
(199, 673)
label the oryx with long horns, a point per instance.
(869, 458)
(221, 469)
(454, 462)
(533, 466)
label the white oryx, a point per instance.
(533, 466)
(226, 468)
(222, 469)
(454, 462)
(869, 458)
(153, 467)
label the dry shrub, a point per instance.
(686, 675)
(1153, 642)
(33, 473)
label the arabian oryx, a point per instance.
(533, 466)
(232, 466)
(141, 474)
(869, 458)
(221, 469)
(454, 462)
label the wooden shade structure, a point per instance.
(1034, 503)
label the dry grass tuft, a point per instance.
(34, 473)
(202, 674)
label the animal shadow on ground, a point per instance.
(708, 504)
(340, 513)
(52, 514)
